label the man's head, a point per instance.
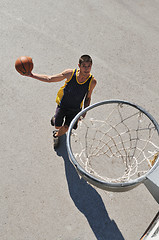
(85, 58)
(85, 64)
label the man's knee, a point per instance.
(57, 127)
(66, 127)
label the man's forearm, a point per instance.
(87, 102)
(40, 77)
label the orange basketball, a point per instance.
(24, 65)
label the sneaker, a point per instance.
(53, 121)
(55, 140)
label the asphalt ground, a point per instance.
(41, 195)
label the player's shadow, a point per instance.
(88, 201)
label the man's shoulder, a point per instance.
(94, 81)
(68, 73)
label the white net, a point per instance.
(118, 145)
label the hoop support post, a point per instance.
(152, 184)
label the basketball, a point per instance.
(24, 65)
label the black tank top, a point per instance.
(74, 92)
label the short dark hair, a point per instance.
(85, 58)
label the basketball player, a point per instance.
(77, 89)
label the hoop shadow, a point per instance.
(88, 201)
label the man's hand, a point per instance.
(83, 115)
(29, 74)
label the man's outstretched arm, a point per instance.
(66, 74)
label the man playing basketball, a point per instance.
(77, 89)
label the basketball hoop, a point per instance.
(115, 146)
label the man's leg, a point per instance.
(57, 122)
(61, 130)
(70, 116)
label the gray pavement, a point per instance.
(41, 195)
